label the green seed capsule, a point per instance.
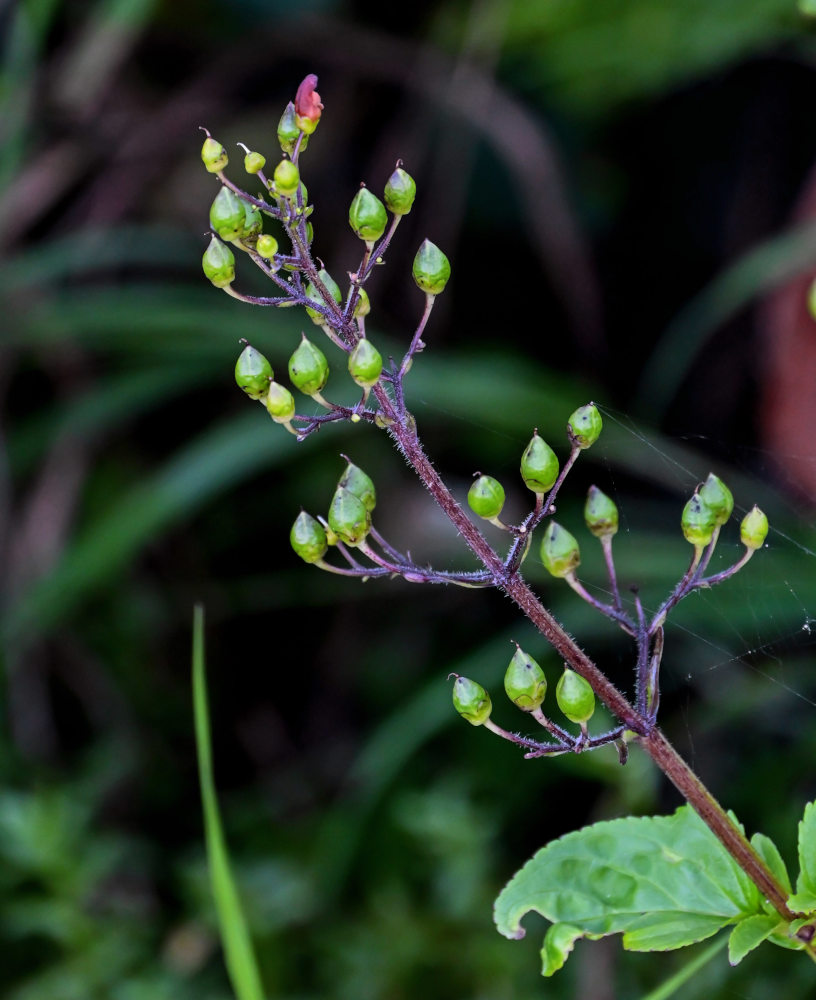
(471, 701)
(267, 246)
(367, 216)
(754, 529)
(486, 497)
(308, 367)
(575, 697)
(213, 155)
(360, 484)
(312, 293)
(280, 403)
(524, 682)
(400, 191)
(253, 162)
(308, 538)
(253, 223)
(218, 263)
(716, 495)
(539, 465)
(365, 364)
(431, 269)
(228, 215)
(253, 373)
(559, 551)
(600, 514)
(348, 517)
(363, 304)
(288, 131)
(585, 425)
(286, 178)
(698, 521)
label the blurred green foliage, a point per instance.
(579, 164)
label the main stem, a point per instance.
(649, 736)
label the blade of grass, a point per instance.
(239, 954)
(690, 969)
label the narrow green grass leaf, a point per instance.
(689, 971)
(239, 955)
(663, 882)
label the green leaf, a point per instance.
(749, 934)
(240, 958)
(806, 882)
(558, 944)
(769, 853)
(663, 882)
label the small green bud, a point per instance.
(539, 465)
(365, 364)
(267, 246)
(348, 517)
(600, 514)
(716, 495)
(308, 367)
(524, 682)
(288, 131)
(754, 529)
(309, 233)
(431, 269)
(575, 696)
(280, 403)
(213, 155)
(253, 373)
(218, 263)
(312, 293)
(253, 162)
(308, 538)
(360, 484)
(471, 701)
(400, 191)
(698, 521)
(363, 304)
(367, 216)
(486, 497)
(228, 214)
(559, 551)
(585, 425)
(287, 178)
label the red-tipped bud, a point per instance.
(308, 106)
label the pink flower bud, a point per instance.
(307, 101)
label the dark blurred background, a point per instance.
(626, 192)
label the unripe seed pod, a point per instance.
(253, 223)
(348, 517)
(539, 465)
(600, 514)
(363, 305)
(698, 521)
(228, 214)
(524, 682)
(360, 484)
(471, 701)
(367, 216)
(559, 551)
(365, 364)
(431, 269)
(253, 162)
(308, 538)
(486, 497)
(331, 287)
(716, 495)
(253, 373)
(288, 131)
(754, 529)
(267, 246)
(308, 367)
(575, 697)
(213, 155)
(585, 425)
(280, 403)
(287, 178)
(218, 263)
(400, 191)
